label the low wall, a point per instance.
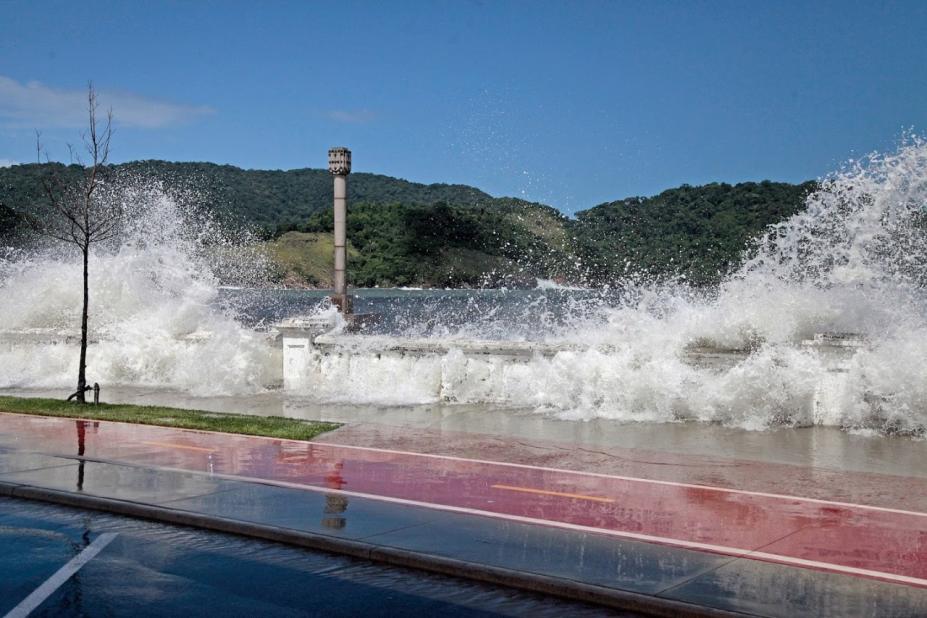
(321, 362)
(336, 365)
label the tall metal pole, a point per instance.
(339, 165)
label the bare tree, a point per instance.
(79, 211)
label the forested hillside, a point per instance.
(265, 199)
(405, 233)
(445, 245)
(698, 233)
(8, 223)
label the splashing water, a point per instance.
(153, 315)
(854, 260)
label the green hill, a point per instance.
(264, 199)
(442, 245)
(698, 233)
(405, 233)
(8, 224)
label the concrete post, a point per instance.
(300, 359)
(836, 351)
(339, 165)
(341, 213)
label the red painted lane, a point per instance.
(865, 541)
(777, 477)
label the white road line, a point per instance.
(739, 552)
(38, 596)
(631, 479)
(750, 554)
(647, 538)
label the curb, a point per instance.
(523, 580)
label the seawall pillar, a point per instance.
(836, 351)
(298, 339)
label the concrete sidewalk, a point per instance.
(298, 493)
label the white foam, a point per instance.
(854, 261)
(152, 299)
(550, 284)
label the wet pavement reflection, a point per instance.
(159, 570)
(859, 540)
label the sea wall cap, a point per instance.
(339, 161)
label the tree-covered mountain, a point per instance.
(405, 233)
(265, 199)
(508, 243)
(697, 233)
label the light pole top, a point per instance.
(339, 161)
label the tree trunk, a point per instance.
(82, 368)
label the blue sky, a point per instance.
(567, 103)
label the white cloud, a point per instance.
(351, 116)
(8, 162)
(35, 105)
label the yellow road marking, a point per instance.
(181, 446)
(529, 490)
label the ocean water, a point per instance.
(177, 303)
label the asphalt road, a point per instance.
(66, 562)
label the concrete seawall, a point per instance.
(493, 372)
(317, 360)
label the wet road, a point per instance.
(148, 569)
(524, 436)
(637, 535)
(882, 541)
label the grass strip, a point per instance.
(270, 426)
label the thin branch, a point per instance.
(75, 214)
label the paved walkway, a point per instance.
(728, 545)
(894, 490)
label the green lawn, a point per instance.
(271, 426)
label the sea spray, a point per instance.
(154, 319)
(853, 261)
